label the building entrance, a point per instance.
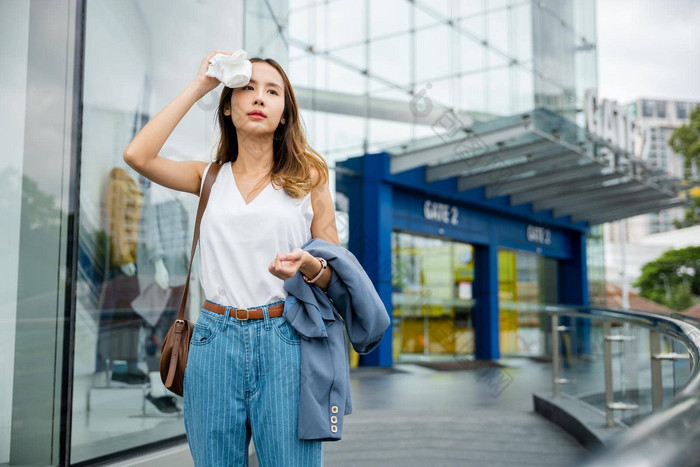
(526, 282)
(432, 297)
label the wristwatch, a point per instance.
(324, 264)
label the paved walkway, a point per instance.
(414, 416)
(424, 417)
(481, 437)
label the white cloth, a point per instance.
(232, 70)
(237, 242)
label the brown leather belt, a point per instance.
(243, 314)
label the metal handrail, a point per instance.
(670, 435)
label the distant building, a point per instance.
(661, 117)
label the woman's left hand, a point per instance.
(286, 265)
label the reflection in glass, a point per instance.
(433, 300)
(135, 236)
(526, 282)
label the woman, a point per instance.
(270, 196)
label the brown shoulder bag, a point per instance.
(173, 357)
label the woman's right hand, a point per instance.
(207, 83)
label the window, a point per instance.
(661, 109)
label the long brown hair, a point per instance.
(293, 156)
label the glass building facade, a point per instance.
(487, 59)
(83, 233)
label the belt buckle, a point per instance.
(247, 314)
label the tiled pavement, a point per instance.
(414, 416)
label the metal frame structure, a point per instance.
(541, 158)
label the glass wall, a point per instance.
(565, 64)
(134, 235)
(433, 301)
(360, 67)
(38, 100)
(263, 21)
(526, 282)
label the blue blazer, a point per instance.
(316, 315)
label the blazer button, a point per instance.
(334, 428)
(334, 409)
(334, 419)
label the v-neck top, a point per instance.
(238, 241)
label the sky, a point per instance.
(648, 48)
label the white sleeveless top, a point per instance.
(237, 242)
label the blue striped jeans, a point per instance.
(241, 381)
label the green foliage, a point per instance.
(673, 279)
(39, 208)
(692, 214)
(682, 297)
(685, 141)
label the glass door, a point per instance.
(433, 302)
(526, 282)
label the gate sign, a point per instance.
(615, 125)
(441, 212)
(539, 235)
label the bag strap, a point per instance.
(203, 199)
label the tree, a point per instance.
(673, 279)
(682, 298)
(685, 140)
(692, 213)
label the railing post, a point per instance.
(610, 404)
(555, 354)
(657, 395)
(657, 383)
(556, 360)
(607, 365)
